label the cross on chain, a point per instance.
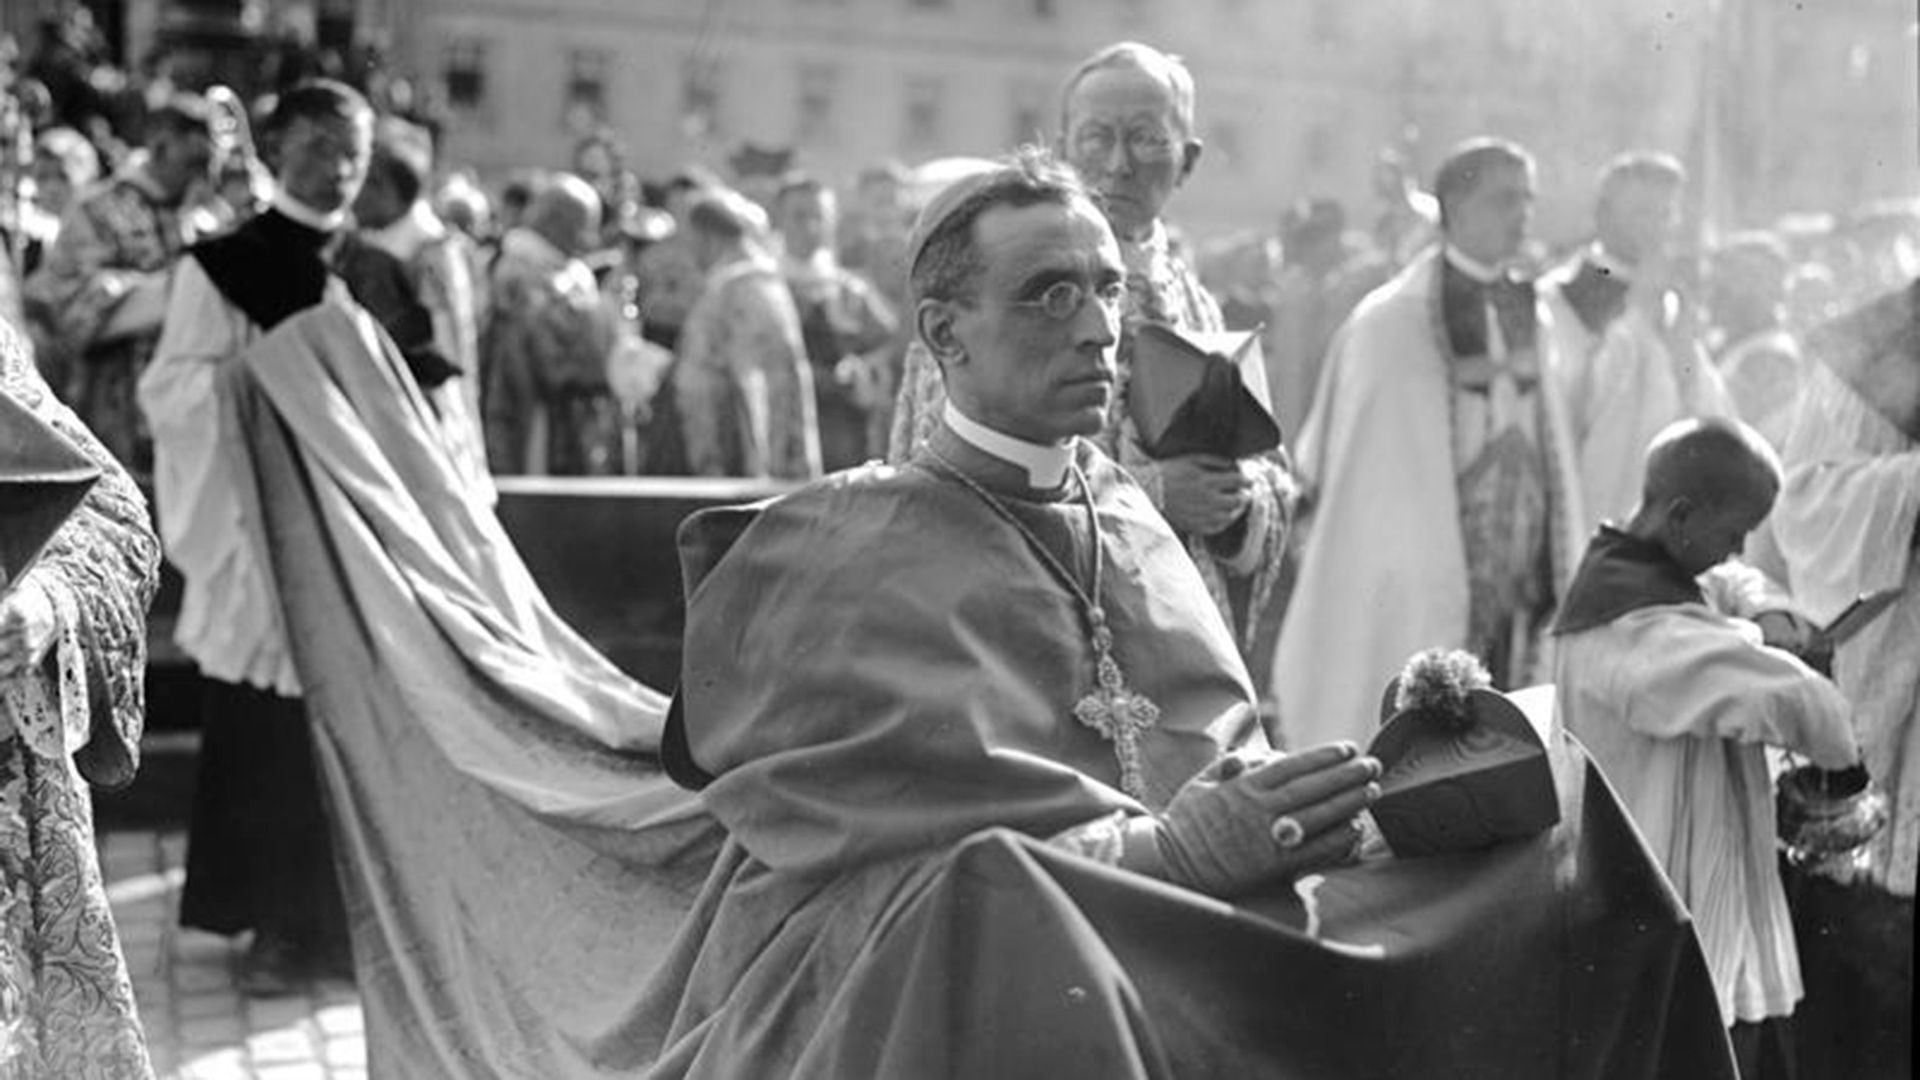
(1117, 713)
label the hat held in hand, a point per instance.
(1461, 767)
(1193, 392)
(43, 477)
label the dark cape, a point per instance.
(1596, 295)
(879, 677)
(272, 267)
(1622, 574)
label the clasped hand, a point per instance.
(1244, 822)
(1203, 494)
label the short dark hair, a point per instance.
(316, 99)
(944, 261)
(181, 114)
(402, 158)
(1460, 174)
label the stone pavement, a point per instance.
(199, 1026)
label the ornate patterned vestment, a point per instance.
(66, 1005)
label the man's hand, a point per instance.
(1240, 824)
(27, 627)
(1202, 494)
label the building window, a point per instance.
(924, 117)
(814, 122)
(465, 74)
(700, 97)
(585, 102)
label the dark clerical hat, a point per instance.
(1461, 766)
(1200, 393)
(43, 477)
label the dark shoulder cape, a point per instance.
(1622, 574)
(272, 267)
(1463, 305)
(1596, 295)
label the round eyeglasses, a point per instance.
(1063, 299)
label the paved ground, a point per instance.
(199, 1026)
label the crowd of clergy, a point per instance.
(1648, 473)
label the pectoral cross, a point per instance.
(1116, 712)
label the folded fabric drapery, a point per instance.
(514, 861)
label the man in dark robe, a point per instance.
(259, 856)
(985, 752)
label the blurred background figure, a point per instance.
(103, 284)
(548, 407)
(742, 385)
(1760, 360)
(1321, 279)
(1409, 218)
(844, 322)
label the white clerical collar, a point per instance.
(306, 215)
(1472, 267)
(1616, 268)
(1046, 466)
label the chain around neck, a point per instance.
(1087, 596)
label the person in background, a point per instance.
(742, 386)
(1445, 505)
(259, 855)
(1759, 359)
(393, 215)
(103, 285)
(1630, 346)
(551, 334)
(845, 323)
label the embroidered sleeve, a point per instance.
(100, 570)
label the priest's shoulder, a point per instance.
(854, 500)
(235, 245)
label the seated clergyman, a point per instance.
(1002, 633)
(958, 716)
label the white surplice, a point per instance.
(1677, 703)
(1845, 524)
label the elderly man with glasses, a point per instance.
(1127, 127)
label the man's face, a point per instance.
(1015, 368)
(180, 160)
(51, 188)
(1490, 223)
(1640, 221)
(323, 161)
(806, 221)
(1126, 140)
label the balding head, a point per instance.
(566, 211)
